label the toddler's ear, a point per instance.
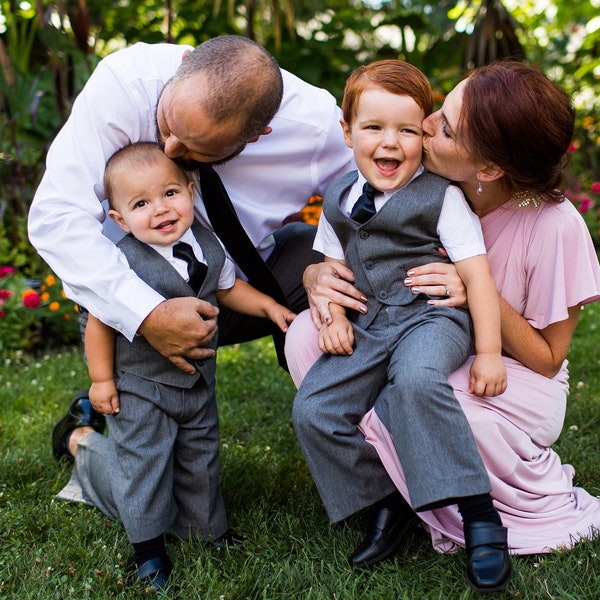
(347, 129)
(116, 216)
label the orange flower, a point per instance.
(44, 296)
(50, 280)
(54, 306)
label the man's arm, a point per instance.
(115, 108)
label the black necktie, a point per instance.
(196, 269)
(230, 231)
(364, 208)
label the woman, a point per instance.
(502, 135)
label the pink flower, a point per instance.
(31, 299)
(596, 187)
(4, 294)
(4, 271)
(2, 313)
(572, 148)
(585, 203)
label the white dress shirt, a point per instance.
(458, 227)
(271, 179)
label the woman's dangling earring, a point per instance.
(479, 188)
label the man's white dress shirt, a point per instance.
(271, 179)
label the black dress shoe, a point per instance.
(387, 529)
(156, 572)
(80, 414)
(489, 568)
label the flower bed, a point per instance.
(34, 314)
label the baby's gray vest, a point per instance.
(139, 357)
(400, 236)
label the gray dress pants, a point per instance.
(400, 365)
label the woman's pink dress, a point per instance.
(543, 262)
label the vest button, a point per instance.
(364, 235)
(383, 295)
(369, 265)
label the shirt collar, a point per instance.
(167, 251)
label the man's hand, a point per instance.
(438, 279)
(180, 328)
(331, 281)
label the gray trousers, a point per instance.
(400, 365)
(158, 469)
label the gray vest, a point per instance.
(400, 236)
(139, 357)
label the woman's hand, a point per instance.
(438, 279)
(331, 281)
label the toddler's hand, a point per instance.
(487, 375)
(104, 397)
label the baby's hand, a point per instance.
(337, 337)
(487, 375)
(104, 397)
(280, 315)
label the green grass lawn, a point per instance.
(54, 550)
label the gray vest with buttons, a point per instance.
(139, 357)
(400, 236)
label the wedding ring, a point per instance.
(448, 291)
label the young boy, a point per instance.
(398, 355)
(163, 421)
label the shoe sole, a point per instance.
(493, 590)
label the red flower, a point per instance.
(31, 299)
(585, 203)
(4, 271)
(596, 187)
(4, 294)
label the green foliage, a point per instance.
(54, 550)
(48, 50)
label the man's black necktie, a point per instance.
(364, 208)
(230, 231)
(196, 269)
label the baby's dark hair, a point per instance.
(133, 156)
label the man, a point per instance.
(274, 138)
